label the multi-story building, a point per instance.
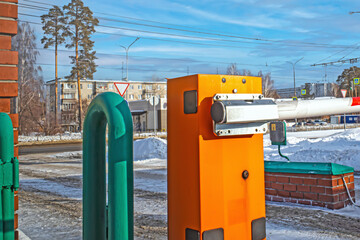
(312, 90)
(288, 92)
(320, 89)
(67, 101)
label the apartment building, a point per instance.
(67, 102)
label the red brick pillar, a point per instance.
(9, 72)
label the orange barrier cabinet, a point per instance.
(215, 184)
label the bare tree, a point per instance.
(30, 81)
(268, 88)
(267, 84)
(232, 69)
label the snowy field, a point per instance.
(51, 190)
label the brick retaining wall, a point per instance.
(309, 189)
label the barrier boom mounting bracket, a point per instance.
(242, 114)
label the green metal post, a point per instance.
(108, 108)
(7, 188)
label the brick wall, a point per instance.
(9, 71)
(309, 189)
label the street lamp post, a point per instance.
(293, 64)
(127, 50)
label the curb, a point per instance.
(22, 235)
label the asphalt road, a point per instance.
(50, 148)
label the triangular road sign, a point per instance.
(343, 92)
(121, 87)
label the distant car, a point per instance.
(320, 122)
(298, 124)
(310, 123)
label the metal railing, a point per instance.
(108, 109)
(9, 178)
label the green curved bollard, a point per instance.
(9, 180)
(108, 108)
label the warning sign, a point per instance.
(343, 92)
(121, 87)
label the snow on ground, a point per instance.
(75, 154)
(53, 187)
(36, 137)
(279, 232)
(39, 137)
(150, 176)
(336, 146)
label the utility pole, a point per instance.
(293, 65)
(127, 56)
(154, 114)
(127, 59)
(122, 70)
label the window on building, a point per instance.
(149, 87)
(131, 96)
(89, 97)
(140, 87)
(80, 86)
(90, 85)
(131, 87)
(101, 85)
(158, 87)
(111, 86)
(69, 95)
(148, 95)
(165, 87)
(69, 85)
(139, 96)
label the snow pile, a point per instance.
(150, 148)
(76, 154)
(342, 147)
(150, 134)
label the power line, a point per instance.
(157, 39)
(338, 52)
(119, 68)
(157, 58)
(182, 36)
(267, 41)
(161, 58)
(350, 60)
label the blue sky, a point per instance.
(319, 31)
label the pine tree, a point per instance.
(81, 24)
(346, 80)
(55, 31)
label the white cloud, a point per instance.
(261, 21)
(303, 14)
